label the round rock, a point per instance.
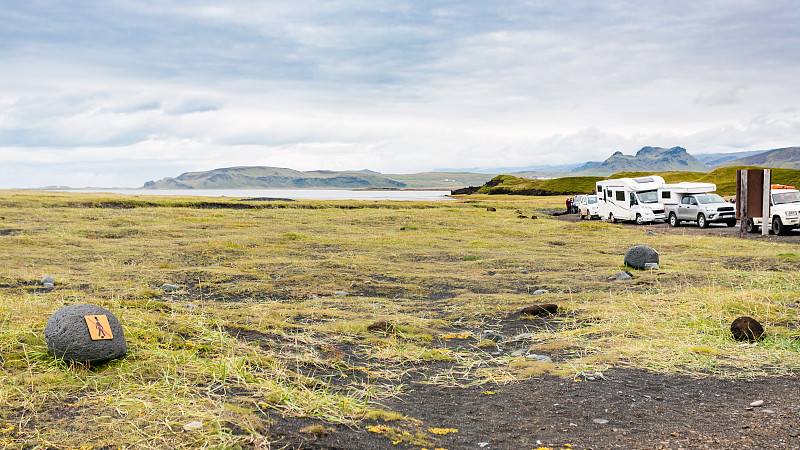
(747, 329)
(640, 256)
(47, 280)
(68, 337)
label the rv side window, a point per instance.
(620, 196)
(666, 194)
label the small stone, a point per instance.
(517, 353)
(194, 425)
(768, 411)
(492, 336)
(540, 291)
(523, 271)
(600, 421)
(340, 293)
(623, 275)
(48, 279)
(48, 285)
(651, 266)
(545, 309)
(757, 403)
(747, 329)
(539, 358)
(166, 287)
(381, 326)
(483, 444)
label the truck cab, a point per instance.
(588, 208)
(784, 202)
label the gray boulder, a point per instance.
(640, 256)
(68, 337)
(166, 287)
(48, 280)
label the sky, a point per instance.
(115, 93)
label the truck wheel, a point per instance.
(778, 228)
(639, 220)
(750, 227)
(611, 218)
(701, 221)
(673, 220)
(731, 223)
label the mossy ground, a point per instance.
(260, 330)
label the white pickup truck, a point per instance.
(695, 202)
(784, 208)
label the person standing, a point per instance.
(569, 205)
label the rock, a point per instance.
(540, 291)
(768, 411)
(48, 280)
(381, 326)
(649, 233)
(340, 293)
(166, 287)
(600, 421)
(640, 255)
(68, 337)
(623, 275)
(757, 403)
(492, 336)
(651, 266)
(747, 329)
(517, 353)
(490, 208)
(194, 425)
(539, 358)
(539, 310)
(48, 285)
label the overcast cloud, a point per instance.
(116, 93)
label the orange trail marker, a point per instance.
(99, 328)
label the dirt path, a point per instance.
(691, 229)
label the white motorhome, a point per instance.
(695, 202)
(630, 199)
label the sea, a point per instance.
(277, 194)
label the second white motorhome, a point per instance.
(630, 199)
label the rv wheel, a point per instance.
(611, 218)
(639, 220)
(731, 223)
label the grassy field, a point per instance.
(262, 326)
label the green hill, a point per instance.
(724, 178)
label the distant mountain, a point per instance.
(780, 158)
(648, 159)
(713, 159)
(274, 177)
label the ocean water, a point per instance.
(294, 194)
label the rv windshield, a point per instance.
(779, 198)
(592, 199)
(710, 198)
(648, 196)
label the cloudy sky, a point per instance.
(119, 92)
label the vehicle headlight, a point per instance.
(791, 213)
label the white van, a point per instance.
(630, 199)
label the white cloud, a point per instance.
(142, 90)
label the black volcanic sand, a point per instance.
(630, 409)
